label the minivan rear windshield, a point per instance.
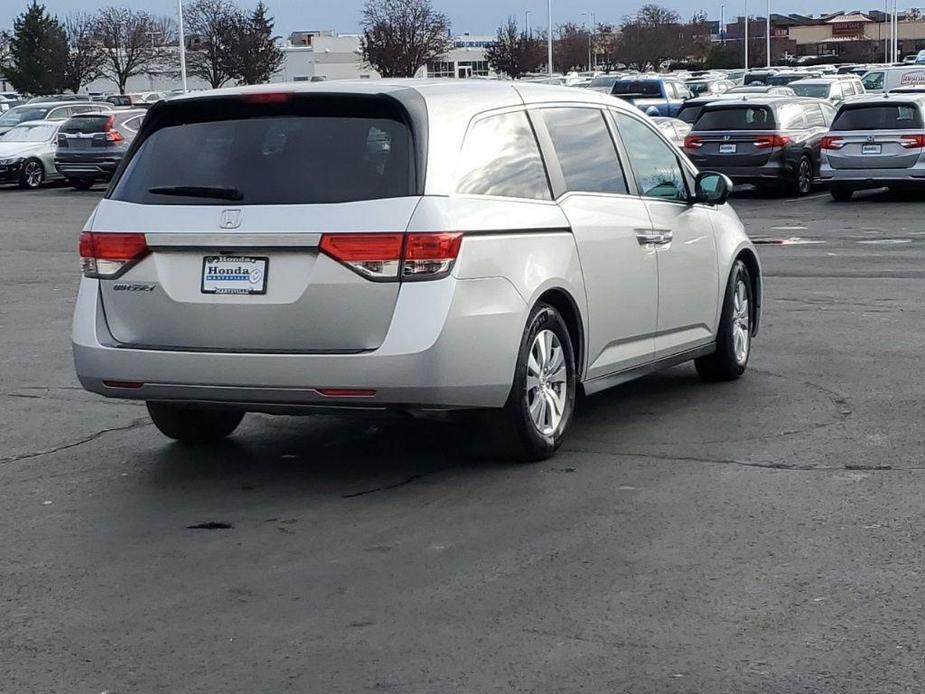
(269, 154)
(736, 118)
(879, 117)
(644, 88)
(86, 124)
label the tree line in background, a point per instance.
(45, 54)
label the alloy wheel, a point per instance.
(741, 322)
(547, 382)
(32, 174)
(805, 180)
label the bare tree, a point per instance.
(400, 36)
(513, 53)
(650, 36)
(133, 42)
(209, 30)
(251, 55)
(571, 47)
(84, 56)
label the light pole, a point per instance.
(527, 22)
(746, 34)
(722, 24)
(768, 32)
(549, 37)
(589, 24)
(182, 40)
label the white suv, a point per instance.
(406, 245)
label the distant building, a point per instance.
(465, 59)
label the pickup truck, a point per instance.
(653, 94)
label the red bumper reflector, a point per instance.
(129, 385)
(346, 392)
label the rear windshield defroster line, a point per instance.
(306, 149)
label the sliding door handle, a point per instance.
(649, 237)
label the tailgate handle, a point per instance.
(159, 239)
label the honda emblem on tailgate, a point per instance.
(231, 219)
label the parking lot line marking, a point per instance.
(809, 197)
(788, 228)
(884, 242)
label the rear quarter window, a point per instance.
(879, 117)
(291, 157)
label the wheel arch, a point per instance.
(562, 300)
(747, 256)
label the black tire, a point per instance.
(726, 364)
(81, 183)
(802, 183)
(515, 432)
(193, 425)
(33, 174)
(841, 193)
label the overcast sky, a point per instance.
(473, 16)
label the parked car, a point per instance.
(55, 98)
(834, 89)
(885, 79)
(91, 145)
(54, 111)
(655, 96)
(27, 153)
(759, 77)
(135, 100)
(875, 142)
(459, 269)
(783, 79)
(708, 87)
(768, 142)
(690, 111)
(673, 129)
(603, 83)
(769, 90)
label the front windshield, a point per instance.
(15, 116)
(698, 88)
(817, 91)
(29, 133)
(602, 82)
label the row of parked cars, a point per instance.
(82, 142)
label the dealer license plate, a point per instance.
(727, 149)
(234, 275)
(871, 149)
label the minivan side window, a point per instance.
(655, 162)
(814, 117)
(585, 150)
(501, 157)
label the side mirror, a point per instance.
(712, 188)
(652, 111)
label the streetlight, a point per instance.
(182, 40)
(722, 24)
(768, 32)
(589, 23)
(527, 14)
(746, 34)
(549, 37)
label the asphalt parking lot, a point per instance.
(757, 536)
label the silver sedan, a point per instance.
(27, 153)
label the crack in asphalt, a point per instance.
(386, 487)
(135, 424)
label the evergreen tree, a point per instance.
(37, 52)
(252, 56)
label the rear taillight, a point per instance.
(832, 142)
(106, 255)
(388, 257)
(693, 142)
(769, 141)
(112, 135)
(912, 141)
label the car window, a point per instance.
(879, 117)
(683, 92)
(133, 124)
(655, 162)
(640, 87)
(60, 113)
(255, 157)
(813, 115)
(500, 157)
(873, 80)
(585, 150)
(828, 112)
(689, 113)
(736, 117)
(790, 117)
(20, 115)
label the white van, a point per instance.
(884, 79)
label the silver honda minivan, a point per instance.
(416, 246)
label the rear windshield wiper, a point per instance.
(215, 192)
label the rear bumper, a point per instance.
(452, 344)
(772, 171)
(76, 167)
(873, 178)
